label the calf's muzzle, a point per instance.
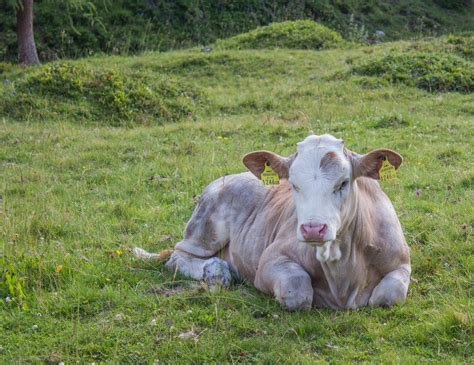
(313, 231)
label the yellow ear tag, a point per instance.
(268, 176)
(387, 171)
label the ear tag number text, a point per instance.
(387, 171)
(268, 176)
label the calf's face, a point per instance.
(322, 175)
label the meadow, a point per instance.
(117, 158)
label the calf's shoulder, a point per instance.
(385, 247)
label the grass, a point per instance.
(432, 72)
(77, 193)
(300, 34)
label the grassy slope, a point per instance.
(74, 194)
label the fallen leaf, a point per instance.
(58, 269)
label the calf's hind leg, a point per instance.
(205, 236)
(214, 271)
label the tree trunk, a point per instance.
(27, 54)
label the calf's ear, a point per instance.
(255, 162)
(369, 165)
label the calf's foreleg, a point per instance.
(288, 282)
(393, 288)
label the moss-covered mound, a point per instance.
(458, 44)
(105, 95)
(463, 44)
(300, 34)
(434, 72)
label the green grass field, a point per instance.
(79, 190)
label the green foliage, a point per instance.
(21, 276)
(105, 95)
(454, 4)
(459, 44)
(77, 28)
(391, 121)
(301, 34)
(435, 72)
(463, 44)
(5, 68)
(11, 285)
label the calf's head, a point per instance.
(322, 175)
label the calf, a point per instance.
(325, 236)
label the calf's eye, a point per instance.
(341, 186)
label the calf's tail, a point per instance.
(140, 253)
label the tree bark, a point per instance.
(27, 54)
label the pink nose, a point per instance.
(313, 231)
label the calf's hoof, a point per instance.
(296, 302)
(216, 274)
(389, 292)
(295, 293)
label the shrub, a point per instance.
(5, 67)
(300, 34)
(459, 44)
(98, 94)
(430, 71)
(454, 4)
(463, 45)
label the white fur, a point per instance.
(314, 195)
(328, 252)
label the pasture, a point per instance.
(79, 190)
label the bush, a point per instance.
(5, 67)
(300, 34)
(71, 89)
(132, 26)
(463, 45)
(459, 44)
(429, 71)
(454, 4)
